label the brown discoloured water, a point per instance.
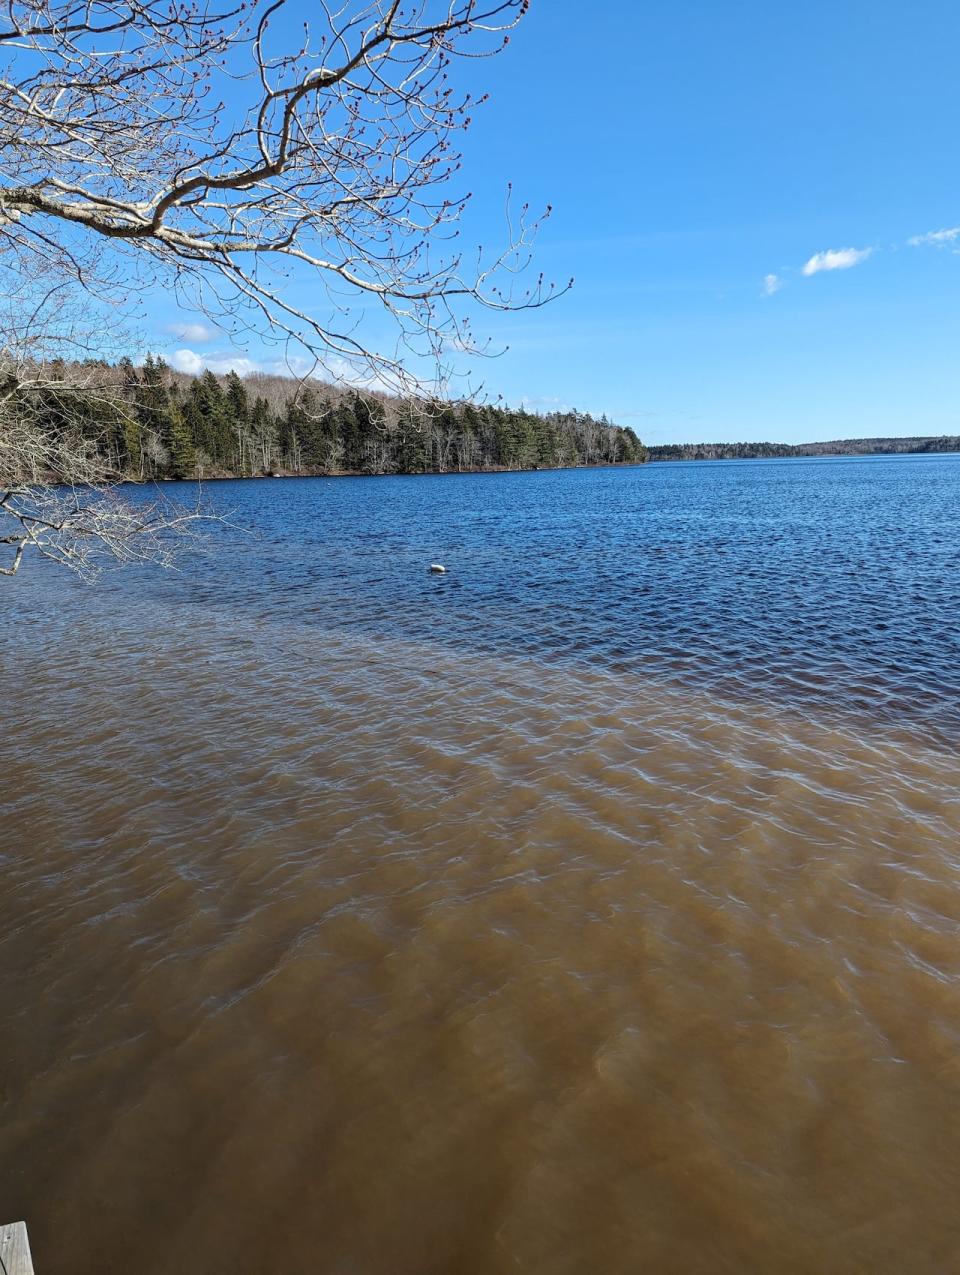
(358, 956)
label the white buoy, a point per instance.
(438, 568)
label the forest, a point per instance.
(151, 422)
(838, 447)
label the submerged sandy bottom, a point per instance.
(355, 956)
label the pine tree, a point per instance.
(411, 442)
(238, 410)
(352, 435)
(179, 444)
(207, 417)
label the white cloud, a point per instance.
(193, 363)
(771, 283)
(335, 370)
(836, 259)
(195, 333)
(186, 361)
(936, 238)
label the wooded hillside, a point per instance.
(151, 422)
(838, 447)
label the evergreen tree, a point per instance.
(152, 402)
(179, 444)
(238, 410)
(236, 395)
(150, 423)
(352, 436)
(208, 420)
(411, 442)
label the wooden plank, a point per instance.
(15, 1250)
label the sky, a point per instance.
(756, 202)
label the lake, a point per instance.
(591, 907)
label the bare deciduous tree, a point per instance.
(82, 528)
(228, 152)
(232, 151)
(56, 493)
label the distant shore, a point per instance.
(917, 446)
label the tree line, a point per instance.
(838, 447)
(149, 422)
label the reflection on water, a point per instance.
(364, 935)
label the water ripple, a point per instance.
(598, 913)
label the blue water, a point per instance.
(829, 583)
(591, 907)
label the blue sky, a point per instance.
(693, 149)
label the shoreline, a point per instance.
(226, 476)
(858, 448)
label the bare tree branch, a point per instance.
(231, 151)
(225, 151)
